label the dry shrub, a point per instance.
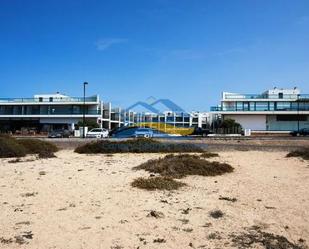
(255, 237)
(209, 154)
(46, 154)
(139, 145)
(36, 146)
(216, 214)
(178, 166)
(10, 148)
(157, 183)
(303, 153)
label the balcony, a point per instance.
(265, 96)
(49, 100)
(48, 112)
(225, 109)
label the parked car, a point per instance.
(131, 132)
(97, 133)
(121, 129)
(143, 132)
(301, 132)
(59, 133)
(198, 131)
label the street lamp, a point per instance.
(84, 108)
(298, 113)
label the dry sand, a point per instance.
(86, 201)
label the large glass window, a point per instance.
(283, 106)
(246, 106)
(291, 117)
(179, 119)
(239, 106)
(170, 119)
(261, 106)
(271, 106)
(186, 119)
(252, 106)
(229, 106)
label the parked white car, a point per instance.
(97, 133)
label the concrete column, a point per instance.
(109, 116)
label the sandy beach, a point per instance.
(86, 201)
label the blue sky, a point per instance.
(186, 50)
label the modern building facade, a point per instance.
(273, 110)
(46, 112)
(163, 111)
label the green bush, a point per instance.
(140, 145)
(10, 148)
(229, 123)
(178, 166)
(91, 124)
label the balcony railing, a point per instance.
(265, 96)
(49, 112)
(49, 100)
(225, 109)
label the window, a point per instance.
(280, 95)
(178, 119)
(96, 130)
(271, 106)
(239, 106)
(252, 106)
(246, 106)
(291, 117)
(261, 106)
(283, 106)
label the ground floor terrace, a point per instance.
(32, 126)
(270, 122)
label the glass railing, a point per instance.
(225, 109)
(265, 96)
(57, 112)
(49, 100)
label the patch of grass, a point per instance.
(10, 148)
(17, 160)
(227, 199)
(178, 166)
(139, 145)
(302, 153)
(216, 214)
(159, 240)
(209, 154)
(256, 237)
(157, 183)
(214, 235)
(29, 194)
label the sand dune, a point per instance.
(86, 201)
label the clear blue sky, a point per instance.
(186, 50)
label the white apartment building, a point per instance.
(273, 110)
